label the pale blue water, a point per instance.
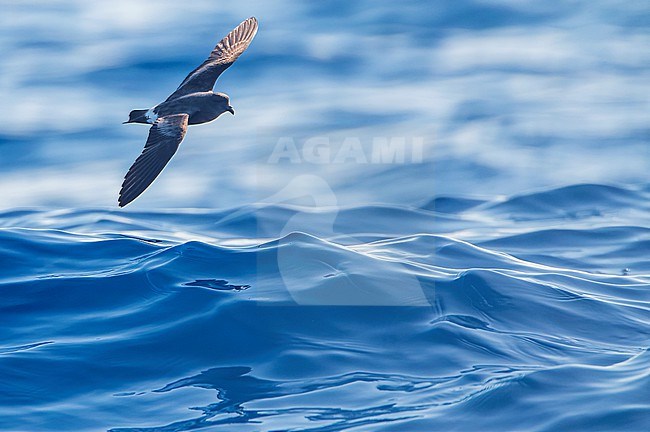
(501, 281)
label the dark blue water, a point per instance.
(497, 280)
(529, 313)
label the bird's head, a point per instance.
(224, 101)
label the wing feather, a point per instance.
(223, 55)
(164, 138)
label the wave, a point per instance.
(279, 317)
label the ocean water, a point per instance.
(493, 277)
(529, 313)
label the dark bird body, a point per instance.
(202, 107)
(192, 103)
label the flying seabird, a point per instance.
(193, 102)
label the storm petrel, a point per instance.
(193, 102)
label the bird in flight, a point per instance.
(193, 102)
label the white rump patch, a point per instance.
(151, 116)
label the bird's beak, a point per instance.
(231, 110)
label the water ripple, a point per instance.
(142, 328)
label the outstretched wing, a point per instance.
(164, 138)
(222, 56)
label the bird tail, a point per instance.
(137, 116)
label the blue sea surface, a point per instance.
(519, 314)
(496, 279)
